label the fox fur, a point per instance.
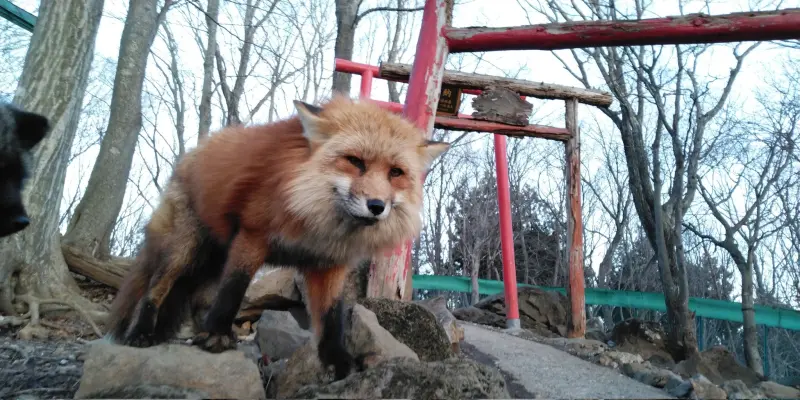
(318, 192)
(20, 132)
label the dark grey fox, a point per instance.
(20, 131)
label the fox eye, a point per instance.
(395, 172)
(357, 162)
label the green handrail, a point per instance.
(708, 308)
(17, 16)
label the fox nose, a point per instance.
(376, 206)
(20, 222)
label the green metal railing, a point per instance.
(707, 308)
(17, 16)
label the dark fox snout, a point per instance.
(13, 223)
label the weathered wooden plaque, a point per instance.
(497, 104)
(449, 101)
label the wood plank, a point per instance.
(471, 125)
(400, 73)
(576, 325)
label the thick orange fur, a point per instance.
(319, 192)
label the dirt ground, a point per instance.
(49, 365)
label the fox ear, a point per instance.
(31, 127)
(431, 150)
(309, 117)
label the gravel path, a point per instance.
(550, 373)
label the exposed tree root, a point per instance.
(34, 303)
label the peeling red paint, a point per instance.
(695, 28)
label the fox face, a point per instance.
(20, 131)
(364, 176)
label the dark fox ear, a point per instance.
(432, 149)
(309, 117)
(31, 128)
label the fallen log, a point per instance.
(109, 272)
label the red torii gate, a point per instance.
(381, 280)
(437, 39)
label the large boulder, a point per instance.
(413, 325)
(541, 311)
(367, 335)
(438, 306)
(717, 364)
(406, 379)
(479, 316)
(171, 369)
(364, 335)
(278, 334)
(645, 338)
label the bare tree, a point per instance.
(756, 159)
(683, 122)
(34, 256)
(347, 19)
(211, 16)
(94, 218)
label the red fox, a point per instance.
(319, 192)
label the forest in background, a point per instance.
(697, 154)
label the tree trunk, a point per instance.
(346, 13)
(53, 83)
(212, 14)
(751, 353)
(394, 50)
(95, 216)
(475, 266)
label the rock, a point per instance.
(364, 334)
(413, 325)
(596, 334)
(453, 378)
(438, 306)
(279, 335)
(119, 369)
(683, 390)
(702, 388)
(585, 348)
(775, 390)
(269, 375)
(621, 357)
(649, 375)
(479, 316)
(303, 368)
(540, 310)
(250, 350)
(645, 338)
(147, 392)
(606, 361)
(737, 390)
(594, 324)
(718, 365)
(272, 288)
(367, 335)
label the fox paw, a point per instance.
(139, 340)
(215, 342)
(344, 364)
